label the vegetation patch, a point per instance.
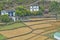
(2, 37)
(12, 26)
(51, 35)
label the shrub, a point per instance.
(2, 37)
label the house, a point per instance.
(10, 13)
(34, 8)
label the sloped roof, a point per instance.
(8, 11)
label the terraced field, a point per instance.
(34, 30)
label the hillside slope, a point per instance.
(9, 4)
(12, 3)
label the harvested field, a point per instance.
(23, 37)
(34, 31)
(39, 38)
(50, 39)
(16, 32)
(40, 26)
(41, 18)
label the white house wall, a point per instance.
(13, 17)
(14, 14)
(3, 13)
(34, 8)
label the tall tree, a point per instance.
(54, 8)
(21, 11)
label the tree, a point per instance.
(5, 18)
(41, 10)
(21, 11)
(2, 37)
(54, 8)
(1, 6)
(27, 13)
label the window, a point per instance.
(34, 8)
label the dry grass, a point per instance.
(23, 37)
(15, 32)
(40, 26)
(48, 25)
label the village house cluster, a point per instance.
(11, 13)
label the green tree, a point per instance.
(5, 18)
(41, 10)
(54, 8)
(1, 6)
(27, 13)
(21, 11)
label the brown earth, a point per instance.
(40, 28)
(23, 37)
(15, 32)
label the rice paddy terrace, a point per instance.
(34, 30)
(42, 29)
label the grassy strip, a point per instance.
(51, 35)
(2, 37)
(12, 26)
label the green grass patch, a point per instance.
(51, 35)
(2, 37)
(12, 26)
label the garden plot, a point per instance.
(42, 19)
(15, 32)
(32, 23)
(38, 31)
(50, 39)
(52, 28)
(12, 26)
(40, 26)
(39, 38)
(39, 22)
(23, 37)
(47, 30)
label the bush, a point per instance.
(21, 11)
(5, 18)
(2, 37)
